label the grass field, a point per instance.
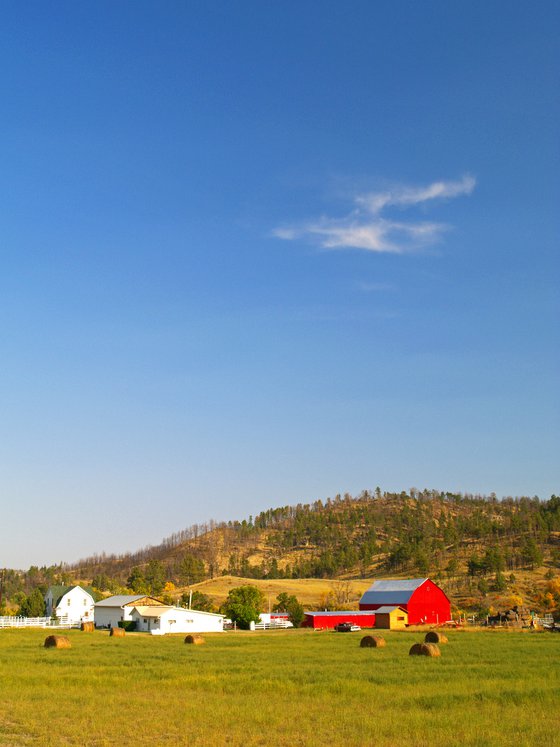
(279, 688)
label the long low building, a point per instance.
(323, 620)
(163, 619)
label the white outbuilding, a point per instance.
(159, 620)
(111, 611)
(73, 604)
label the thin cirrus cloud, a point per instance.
(367, 229)
(377, 287)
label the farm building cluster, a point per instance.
(389, 604)
(150, 615)
(75, 606)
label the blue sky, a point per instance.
(256, 254)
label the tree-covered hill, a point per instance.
(472, 544)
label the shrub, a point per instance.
(128, 625)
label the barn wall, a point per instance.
(383, 621)
(330, 621)
(428, 604)
(105, 616)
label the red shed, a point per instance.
(424, 601)
(324, 619)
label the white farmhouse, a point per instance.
(72, 603)
(166, 619)
(111, 611)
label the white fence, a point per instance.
(36, 622)
(274, 625)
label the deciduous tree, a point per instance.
(290, 604)
(243, 605)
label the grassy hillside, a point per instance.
(313, 593)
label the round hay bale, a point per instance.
(424, 649)
(433, 649)
(432, 636)
(57, 641)
(87, 627)
(117, 632)
(372, 641)
(197, 640)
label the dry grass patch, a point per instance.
(309, 591)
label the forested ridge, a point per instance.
(471, 543)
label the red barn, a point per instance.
(424, 601)
(327, 620)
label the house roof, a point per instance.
(152, 611)
(58, 592)
(203, 612)
(387, 609)
(119, 600)
(392, 591)
(338, 613)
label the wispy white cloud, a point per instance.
(402, 196)
(365, 228)
(376, 287)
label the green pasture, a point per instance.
(279, 688)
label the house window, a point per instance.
(69, 602)
(145, 620)
(85, 602)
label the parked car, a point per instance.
(346, 627)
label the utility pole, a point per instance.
(2, 577)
